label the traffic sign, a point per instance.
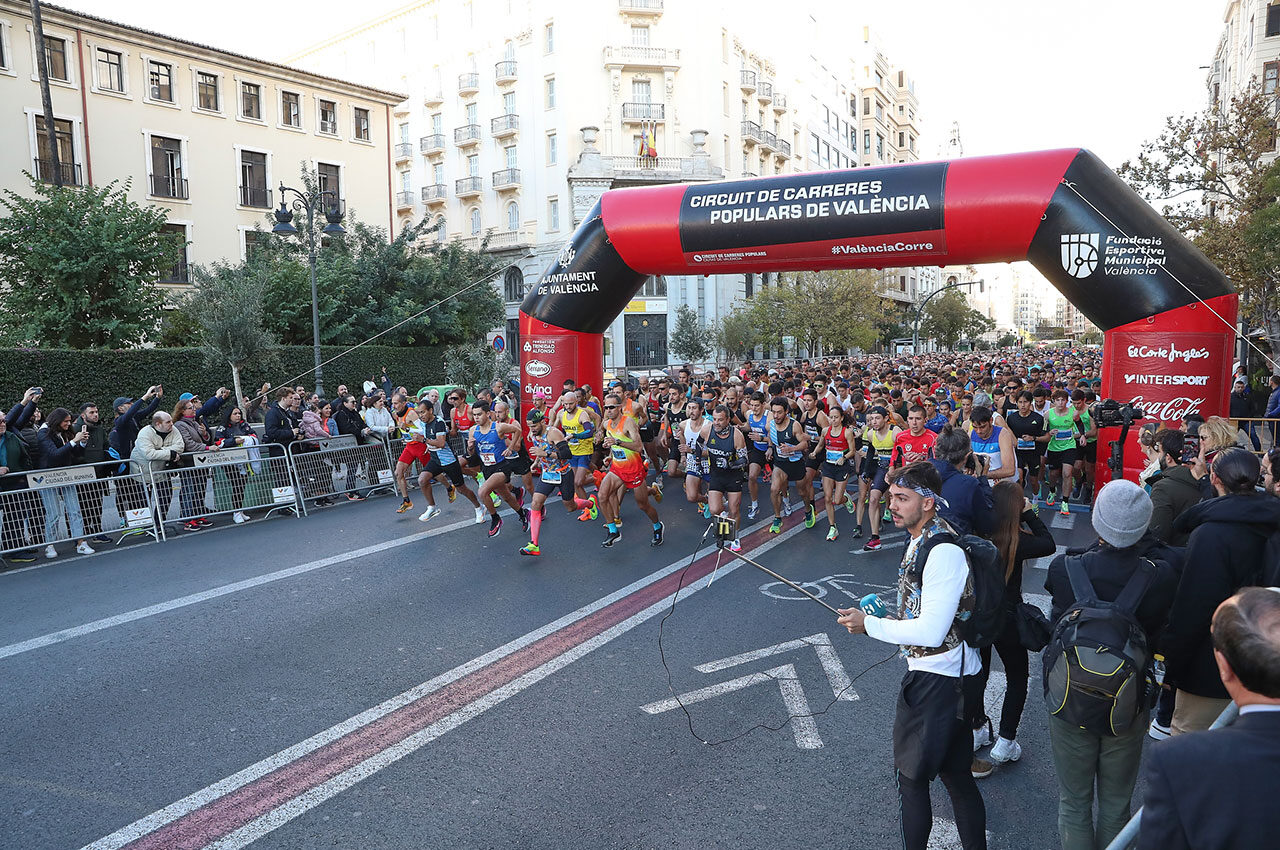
(499, 344)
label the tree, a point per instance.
(228, 305)
(976, 325)
(691, 341)
(735, 334)
(474, 366)
(78, 267)
(1213, 178)
(1007, 340)
(949, 317)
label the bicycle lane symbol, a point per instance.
(845, 583)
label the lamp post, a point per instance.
(303, 201)
(915, 325)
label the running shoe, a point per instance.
(1064, 509)
(497, 503)
(857, 531)
(706, 510)
(204, 522)
(655, 490)
(736, 545)
(753, 510)
(1051, 499)
(657, 535)
(453, 495)
(613, 537)
(595, 505)
(776, 526)
(430, 513)
(873, 543)
(404, 506)
(495, 525)
(832, 534)
(849, 504)
(811, 517)
(479, 515)
(519, 492)
(524, 520)
(888, 517)
(1005, 751)
(530, 549)
(984, 735)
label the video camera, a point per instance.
(726, 529)
(1112, 414)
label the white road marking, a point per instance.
(945, 836)
(278, 817)
(821, 644)
(1060, 521)
(818, 587)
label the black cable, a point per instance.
(671, 685)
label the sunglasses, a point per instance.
(611, 407)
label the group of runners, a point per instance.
(725, 436)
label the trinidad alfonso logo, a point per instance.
(1080, 253)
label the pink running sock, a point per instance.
(535, 526)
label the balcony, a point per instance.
(433, 99)
(164, 186)
(749, 174)
(70, 172)
(499, 240)
(751, 132)
(765, 92)
(468, 187)
(436, 193)
(432, 144)
(179, 273)
(466, 135)
(635, 56)
(769, 142)
(255, 196)
(504, 72)
(468, 83)
(779, 102)
(504, 125)
(507, 178)
(784, 148)
(747, 79)
(633, 112)
(403, 151)
(641, 7)
(404, 200)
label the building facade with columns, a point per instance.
(523, 112)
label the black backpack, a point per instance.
(986, 621)
(1098, 668)
(1269, 569)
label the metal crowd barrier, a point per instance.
(236, 481)
(337, 466)
(47, 507)
(1260, 434)
(1128, 836)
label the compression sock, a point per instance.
(613, 527)
(535, 526)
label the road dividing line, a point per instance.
(242, 808)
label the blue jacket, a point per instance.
(1273, 405)
(124, 431)
(969, 506)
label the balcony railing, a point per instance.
(647, 166)
(779, 102)
(648, 57)
(751, 131)
(644, 112)
(765, 92)
(404, 199)
(504, 125)
(179, 273)
(433, 98)
(505, 71)
(653, 7)
(255, 196)
(467, 134)
(748, 80)
(507, 178)
(404, 150)
(468, 186)
(784, 148)
(431, 144)
(164, 186)
(749, 174)
(499, 240)
(434, 192)
(770, 141)
(468, 83)
(329, 127)
(70, 172)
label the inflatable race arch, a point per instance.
(1168, 313)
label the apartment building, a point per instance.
(1248, 49)
(523, 112)
(201, 132)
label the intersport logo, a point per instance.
(1169, 352)
(1168, 380)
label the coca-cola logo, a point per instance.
(1171, 410)
(1169, 352)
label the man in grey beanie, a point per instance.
(1083, 759)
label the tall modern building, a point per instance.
(523, 112)
(201, 132)
(1248, 49)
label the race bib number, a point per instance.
(757, 435)
(835, 456)
(551, 476)
(619, 453)
(488, 458)
(1026, 444)
(1063, 433)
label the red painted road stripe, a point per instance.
(223, 816)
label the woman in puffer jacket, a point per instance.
(195, 438)
(235, 433)
(316, 473)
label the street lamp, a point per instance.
(284, 226)
(915, 326)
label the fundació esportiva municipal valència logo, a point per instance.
(1080, 253)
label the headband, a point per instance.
(926, 493)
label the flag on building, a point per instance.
(651, 139)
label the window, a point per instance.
(640, 36)
(207, 91)
(290, 109)
(641, 92)
(513, 216)
(473, 113)
(551, 93)
(329, 117)
(360, 123)
(404, 134)
(553, 214)
(473, 165)
(110, 70)
(437, 123)
(405, 184)
(902, 140)
(1273, 20)
(513, 284)
(437, 173)
(167, 175)
(510, 156)
(177, 274)
(509, 103)
(4, 47)
(551, 149)
(725, 95)
(253, 180)
(902, 283)
(55, 57)
(66, 152)
(254, 240)
(815, 147)
(251, 101)
(160, 81)
(866, 106)
(1270, 71)
(330, 181)
(549, 38)
(879, 111)
(655, 287)
(866, 141)
(475, 221)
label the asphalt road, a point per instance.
(359, 679)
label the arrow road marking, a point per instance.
(821, 644)
(803, 727)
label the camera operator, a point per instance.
(965, 491)
(942, 691)
(1176, 487)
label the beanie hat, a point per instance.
(1121, 513)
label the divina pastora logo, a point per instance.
(1080, 253)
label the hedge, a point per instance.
(71, 377)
